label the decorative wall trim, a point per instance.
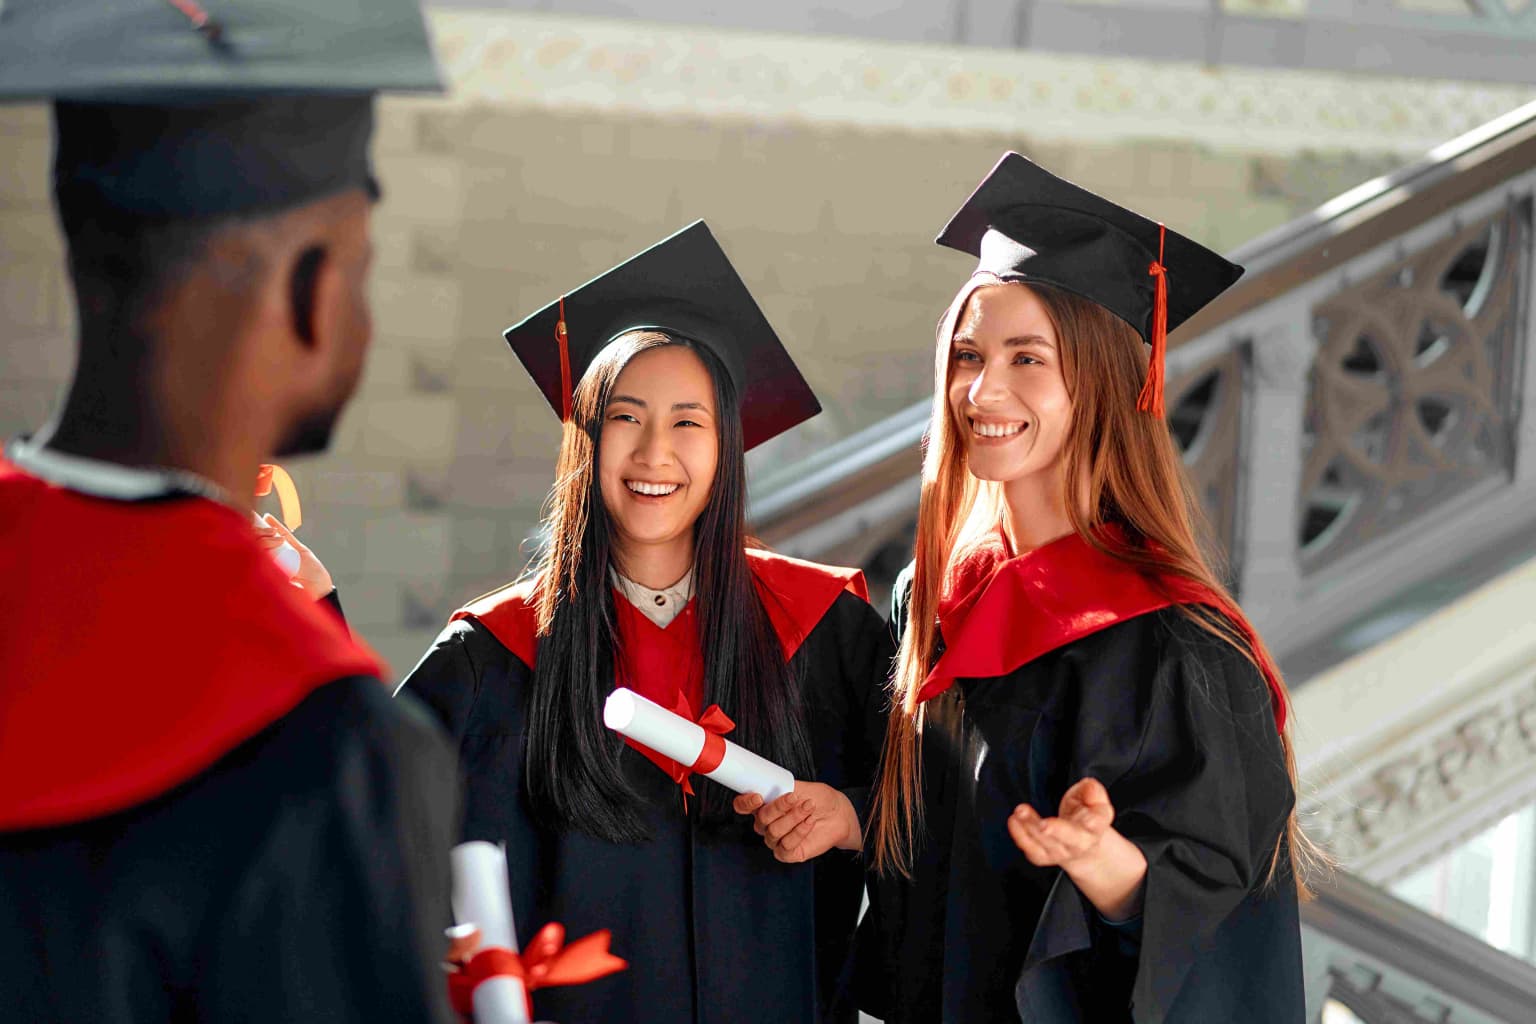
(561, 61)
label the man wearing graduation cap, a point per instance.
(210, 809)
(1086, 810)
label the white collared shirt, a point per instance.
(660, 606)
(109, 480)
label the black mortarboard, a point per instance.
(208, 108)
(685, 286)
(1026, 224)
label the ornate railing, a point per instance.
(1372, 959)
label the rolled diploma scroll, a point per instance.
(481, 898)
(671, 735)
(284, 555)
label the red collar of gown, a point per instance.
(796, 594)
(999, 612)
(145, 641)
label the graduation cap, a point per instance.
(205, 108)
(1026, 224)
(685, 286)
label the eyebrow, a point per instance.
(676, 406)
(1018, 342)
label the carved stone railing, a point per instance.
(1385, 962)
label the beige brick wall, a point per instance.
(441, 463)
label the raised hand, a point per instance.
(312, 576)
(1081, 840)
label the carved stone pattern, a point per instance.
(1406, 793)
(606, 64)
(1205, 414)
(1411, 397)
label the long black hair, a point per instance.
(571, 761)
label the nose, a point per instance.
(655, 447)
(987, 387)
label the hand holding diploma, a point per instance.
(805, 824)
(696, 746)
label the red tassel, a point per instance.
(1151, 399)
(565, 364)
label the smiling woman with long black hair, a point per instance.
(648, 580)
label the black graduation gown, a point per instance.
(716, 931)
(210, 808)
(303, 877)
(1179, 726)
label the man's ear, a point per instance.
(304, 286)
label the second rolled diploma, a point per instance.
(673, 736)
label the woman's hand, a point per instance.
(1081, 840)
(311, 577)
(804, 824)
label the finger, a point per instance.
(268, 540)
(786, 824)
(746, 803)
(1093, 819)
(287, 534)
(1019, 833)
(778, 808)
(463, 940)
(1089, 792)
(792, 849)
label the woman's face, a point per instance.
(1006, 388)
(659, 447)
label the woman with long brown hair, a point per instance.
(1086, 803)
(648, 580)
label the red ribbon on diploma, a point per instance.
(268, 477)
(545, 962)
(716, 724)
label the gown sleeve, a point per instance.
(448, 677)
(339, 915)
(847, 666)
(1202, 788)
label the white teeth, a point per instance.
(996, 429)
(654, 490)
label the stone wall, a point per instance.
(491, 209)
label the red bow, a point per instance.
(546, 961)
(716, 724)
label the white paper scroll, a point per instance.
(671, 735)
(481, 898)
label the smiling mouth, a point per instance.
(651, 490)
(981, 429)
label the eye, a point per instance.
(1025, 359)
(688, 423)
(622, 417)
(967, 355)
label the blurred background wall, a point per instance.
(826, 163)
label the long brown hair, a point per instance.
(1124, 463)
(572, 767)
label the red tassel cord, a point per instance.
(562, 340)
(1151, 399)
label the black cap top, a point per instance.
(685, 286)
(1026, 224)
(206, 108)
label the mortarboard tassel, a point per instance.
(565, 364)
(1151, 399)
(210, 28)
